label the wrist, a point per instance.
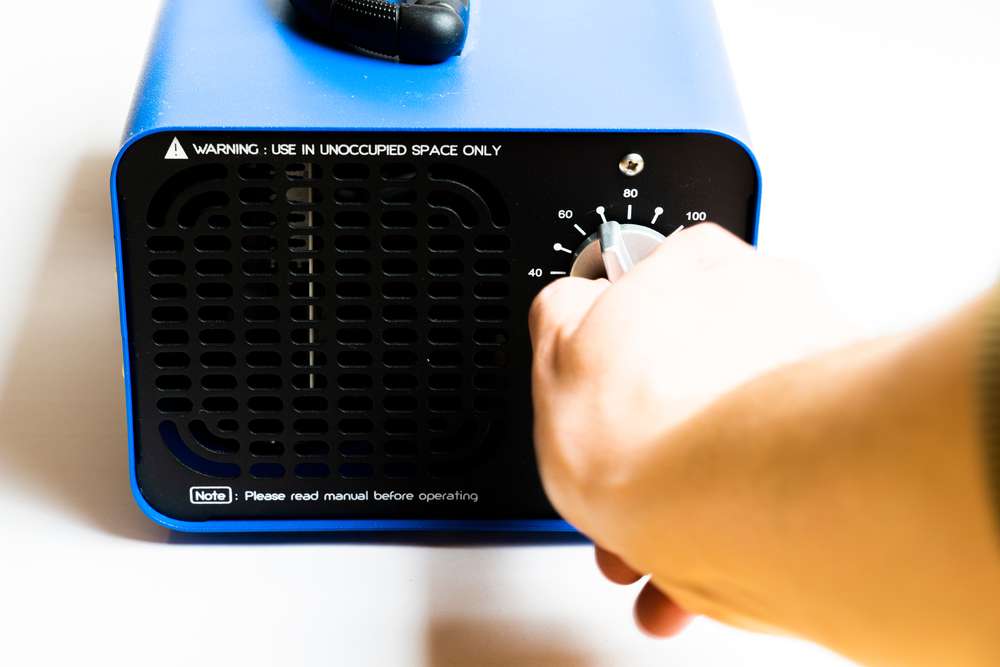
(845, 494)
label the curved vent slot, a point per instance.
(183, 453)
(326, 319)
(179, 188)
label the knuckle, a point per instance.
(536, 313)
(555, 344)
(572, 449)
(580, 467)
(571, 358)
(541, 307)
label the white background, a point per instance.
(876, 123)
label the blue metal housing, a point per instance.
(529, 65)
(588, 64)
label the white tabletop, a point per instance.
(877, 125)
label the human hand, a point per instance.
(620, 367)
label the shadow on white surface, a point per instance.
(62, 412)
(479, 614)
(458, 642)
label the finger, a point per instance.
(561, 306)
(700, 247)
(709, 239)
(657, 615)
(614, 568)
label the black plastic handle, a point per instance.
(415, 31)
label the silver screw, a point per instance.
(632, 164)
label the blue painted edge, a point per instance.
(333, 525)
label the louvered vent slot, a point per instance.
(323, 320)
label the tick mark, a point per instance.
(656, 214)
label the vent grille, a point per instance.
(328, 320)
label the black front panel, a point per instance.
(334, 325)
